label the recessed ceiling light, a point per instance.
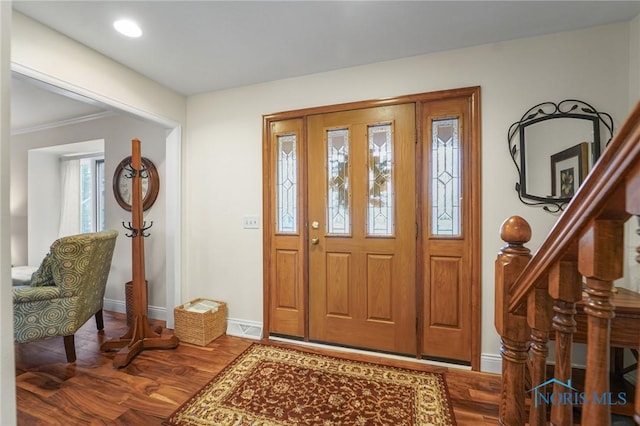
(127, 27)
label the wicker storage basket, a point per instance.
(200, 328)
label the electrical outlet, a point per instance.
(251, 222)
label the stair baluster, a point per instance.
(601, 261)
(565, 287)
(539, 313)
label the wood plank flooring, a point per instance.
(91, 391)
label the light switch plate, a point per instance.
(251, 222)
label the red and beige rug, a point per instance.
(268, 385)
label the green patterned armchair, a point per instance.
(66, 290)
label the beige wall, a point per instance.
(117, 132)
(224, 138)
(634, 61)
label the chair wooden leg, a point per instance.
(99, 320)
(70, 348)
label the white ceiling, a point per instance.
(200, 46)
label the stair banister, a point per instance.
(590, 201)
(583, 251)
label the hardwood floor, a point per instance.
(91, 391)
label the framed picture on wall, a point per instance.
(568, 169)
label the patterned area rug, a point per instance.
(268, 385)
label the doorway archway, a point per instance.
(172, 181)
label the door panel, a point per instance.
(287, 283)
(285, 233)
(362, 252)
(338, 273)
(380, 287)
(445, 290)
(447, 230)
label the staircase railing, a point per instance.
(537, 295)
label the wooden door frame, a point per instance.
(473, 96)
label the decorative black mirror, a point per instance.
(557, 146)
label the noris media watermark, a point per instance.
(572, 396)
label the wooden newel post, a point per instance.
(512, 327)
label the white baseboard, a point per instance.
(491, 363)
(154, 312)
(235, 327)
(115, 306)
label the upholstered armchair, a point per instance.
(66, 290)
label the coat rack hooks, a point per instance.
(137, 231)
(132, 172)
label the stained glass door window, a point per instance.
(380, 205)
(445, 178)
(338, 212)
(287, 184)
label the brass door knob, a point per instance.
(315, 240)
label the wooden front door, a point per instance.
(372, 225)
(362, 228)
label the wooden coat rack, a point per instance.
(140, 336)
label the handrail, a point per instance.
(589, 202)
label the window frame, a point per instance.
(97, 202)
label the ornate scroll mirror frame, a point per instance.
(568, 157)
